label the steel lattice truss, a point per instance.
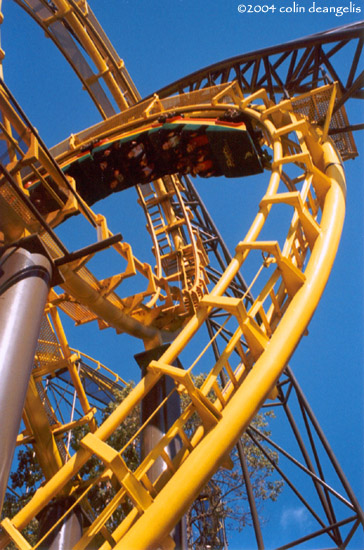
(289, 69)
(284, 71)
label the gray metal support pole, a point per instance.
(159, 425)
(66, 535)
(25, 279)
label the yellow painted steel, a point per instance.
(268, 347)
(188, 481)
(287, 286)
(37, 423)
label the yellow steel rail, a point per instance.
(287, 276)
(156, 307)
(43, 427)
(62, 21)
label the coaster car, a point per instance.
(199, 147)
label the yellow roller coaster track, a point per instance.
(307, 180)
(286, 269)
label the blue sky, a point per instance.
(160, 41)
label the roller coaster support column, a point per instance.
(158, 426)
(25, 279)
(69, 530)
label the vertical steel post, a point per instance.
(67, 533)
(304, 404)
(159, 424)
(25, 279)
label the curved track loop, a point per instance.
(180, 254)
(287, 274)
(78, 35)
(29, 156)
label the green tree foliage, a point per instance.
(222, 503)
(23, 484)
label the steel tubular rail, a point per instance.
(102, 307)
(211, 449)
(154, 525)
(193, 474)
(77, 287)
(77, 30)
(204, 222)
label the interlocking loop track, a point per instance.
(306, 181)
(285, 264)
